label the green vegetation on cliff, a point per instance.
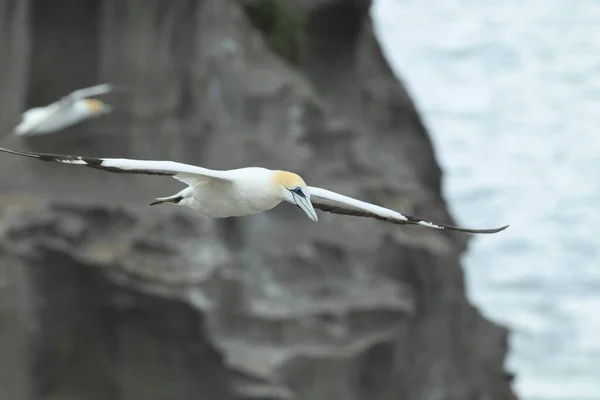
(281, 25)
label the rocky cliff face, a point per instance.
(104, 298)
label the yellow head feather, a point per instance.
(287, 179)
(94, 105)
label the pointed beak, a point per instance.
(306, 206)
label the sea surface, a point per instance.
(510, 91)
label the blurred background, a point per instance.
(456, 112)
(510, 94)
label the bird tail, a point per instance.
(20, 130)
(175, 199)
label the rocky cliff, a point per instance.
(102, 297)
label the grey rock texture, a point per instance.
(102, 297)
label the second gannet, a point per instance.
(244, 191)
(69, 110)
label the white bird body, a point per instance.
(245, 194)
(68, 111)
(49, 119)
(244, 191)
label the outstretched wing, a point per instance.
(89, 91)
(185, 173)
(336, 203)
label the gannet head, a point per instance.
(293, 190)
(95, 107)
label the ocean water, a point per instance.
(510, 91)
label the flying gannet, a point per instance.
(244, 191)
(69, 110)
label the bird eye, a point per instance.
(298, 191)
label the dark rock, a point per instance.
(134, 302)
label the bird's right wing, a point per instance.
(90, 91)
(188, 174)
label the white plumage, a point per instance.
(69, 110)
(245, 191)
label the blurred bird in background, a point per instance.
(69, 110)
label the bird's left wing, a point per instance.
(336, 203)
(189, 174)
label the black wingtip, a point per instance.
(437, 225)
(21, 153)
(486, 231)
